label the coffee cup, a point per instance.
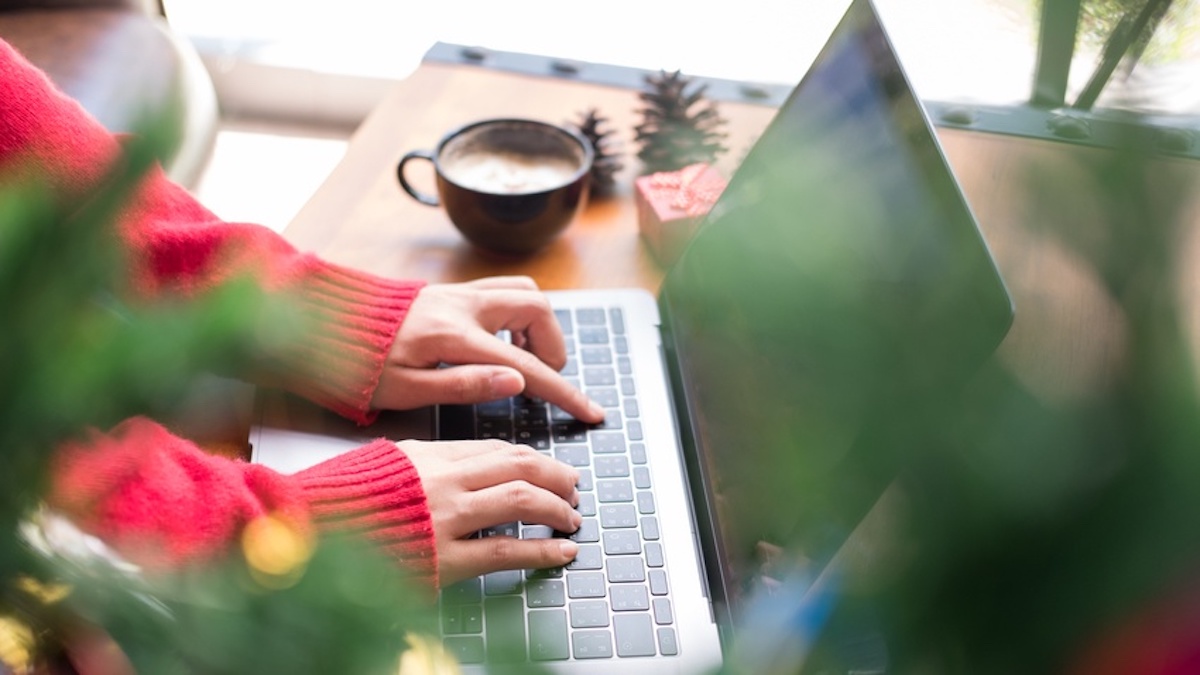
(509, 185)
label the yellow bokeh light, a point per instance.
(16, 644)
(275, 548)
(426, 656)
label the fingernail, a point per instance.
(575, 498)
(569, 548)
(596, 409)
(576, 520)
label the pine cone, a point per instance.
(671, 135)
(607, 149)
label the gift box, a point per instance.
(671, 205)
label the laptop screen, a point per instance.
(839, 284)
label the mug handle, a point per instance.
(428, 200)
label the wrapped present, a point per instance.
(671, 205)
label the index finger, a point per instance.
(527, 314)
(541, 380)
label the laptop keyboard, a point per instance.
(613, 601)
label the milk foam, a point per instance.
(509, 172)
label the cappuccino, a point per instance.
(499, 172)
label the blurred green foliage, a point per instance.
(1023, 528)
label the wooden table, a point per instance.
(361, 217)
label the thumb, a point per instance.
(409, 388)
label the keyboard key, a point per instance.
(538, 439)
(537, 532)
(564, 321)
(569, 433)
(591, 644)
(499, 430)
(637, 453)
(616, 319)
(628, 598)
(617, 516)
(464, 592)
(501, 530)
(472, 619)
(666, 642)
(650, 528)
(627, 388)
(614, 490)
(530, 417)
(662, 612)
(588, 532)
(607, 397)
(587, 504)
(634, 430)
(590, 316)
(634, 634)
(498, 409)
(612, 419)
(621, 344)
(654, 554)
(585, 585)
(571, 368)
(624, 570)
(585, 481)
(504, 582)
(658, 582)
(641, 478)
(452, 620)
(548, 635)
(599, 377)
(622, 542)
(624, 367)
(611, 466)
(466, 649)
(547, 573)
(631, 408)
(545, 593)
(504, 627)
(589, 614)
(590, 557)
(607, 442)
(645, 502)
(593, 335)
(575, 455)
(596, 356)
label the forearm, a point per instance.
(163, 503)
(176, 247)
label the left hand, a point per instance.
(457, 324)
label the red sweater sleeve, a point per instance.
(177, 246)
(156, 497)
(164, 503)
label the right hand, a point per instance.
(472, 485)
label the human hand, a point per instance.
(472, 485)
(457, 324)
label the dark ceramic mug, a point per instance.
(509, 185)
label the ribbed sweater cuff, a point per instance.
(374, 492)
(356, 316)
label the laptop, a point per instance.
(759, 407)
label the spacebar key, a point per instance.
(504, 625)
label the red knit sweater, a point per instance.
(158, 498)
